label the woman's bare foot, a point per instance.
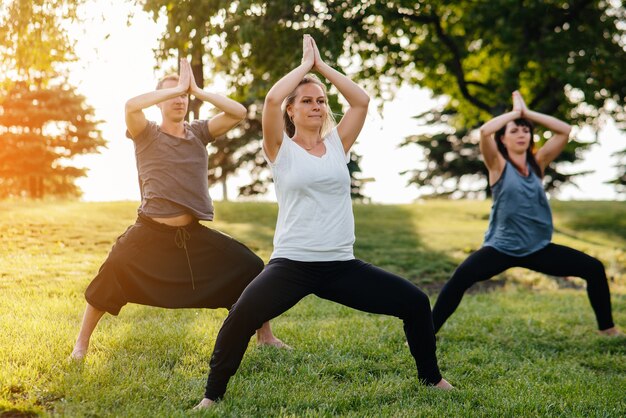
(264, 336)
(204, 404)
(444, 385)
(612, 332)
(272, 342)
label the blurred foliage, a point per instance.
(44, 122)
(39, 127)
(34, 43)
(620, 180)
(241, 43)
(566, 57)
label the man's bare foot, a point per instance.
(612, 332)
(444, 385)
(80, 351)
(78, 355)
(204, 404)
(272, 342)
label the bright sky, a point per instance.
(117, 63)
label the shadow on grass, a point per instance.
(607, 218)
(388, 237)
(151, 352)
(16, 413)
(577, 236)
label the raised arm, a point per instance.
(135, 118)
(273, 126)
(553, 147)
(352, 122)
(231, 113)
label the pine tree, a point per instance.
(41, 129)
(249, 56)
(44, 122)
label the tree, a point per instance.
(567, 58)
(40, 128)
(33, 40)
(620, 180)
(44, 122)
(247, 51)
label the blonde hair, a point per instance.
(165, 78)
(328, 124)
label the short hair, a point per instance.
(165, 78)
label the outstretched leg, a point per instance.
(559, 260)
(90, 320)
(481, 265)
(371, 289)
(279, 286)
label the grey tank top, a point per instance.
(173, 171)
(520, 222)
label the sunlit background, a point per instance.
(116, 62)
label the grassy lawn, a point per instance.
(521, 345)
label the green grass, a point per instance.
(523, 347)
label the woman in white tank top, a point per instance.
(315, 228)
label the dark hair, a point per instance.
(290, 128)
(530, 156)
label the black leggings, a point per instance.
(353, 283)
(555, 260)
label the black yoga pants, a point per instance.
(555, 260)
(353, 283)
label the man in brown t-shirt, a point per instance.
(167, 258)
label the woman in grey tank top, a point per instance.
(520, 223)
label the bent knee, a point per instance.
(595, 270)
(416, 302)
(597, 265)
(255, 264)
(421, 299)
(244, 316)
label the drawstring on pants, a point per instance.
(181, 238)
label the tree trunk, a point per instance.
(198, 74)
(35, 187)
(224, 189)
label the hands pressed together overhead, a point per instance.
(310, 53)
(518, 104)
(186, 80)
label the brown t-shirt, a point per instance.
(173, 171)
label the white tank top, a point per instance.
(315, 220)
